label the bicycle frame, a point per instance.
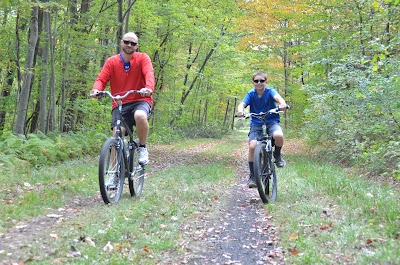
(264, 167)
(125, 166)
(131, 143)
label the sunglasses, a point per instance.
(129, 42)
(259, 81)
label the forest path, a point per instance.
(239, 232)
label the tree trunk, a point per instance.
(120, 22)
(233, 114)
(18, 26)
(25, 89)
(126, 18)
(6, 92)
(226, 112)
(43, 86)
(51, 120)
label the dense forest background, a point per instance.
(335, 61)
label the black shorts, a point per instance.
(128, 110)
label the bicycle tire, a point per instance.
(264, 174)
(136, 173)
(111, 165)
(272, 183)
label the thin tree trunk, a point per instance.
(25, 89)
(6, 92)
(126, 18)
(51, 120)
(120, 21)
(43, 86)
(17, 64)
(233, 114)
(226, 112)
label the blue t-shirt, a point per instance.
(262, 104)
(127, 65)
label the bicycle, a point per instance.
(264, 161)
(115, 154)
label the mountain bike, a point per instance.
(119, 158)
(264, 161)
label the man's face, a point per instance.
(129, 44)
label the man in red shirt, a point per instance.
(130, 70)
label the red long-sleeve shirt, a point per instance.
(140, 75)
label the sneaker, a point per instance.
(279, 161)
(112, 181)
(143, 156)
(252, 183)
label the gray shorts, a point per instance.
(256, 131)
(128, 110)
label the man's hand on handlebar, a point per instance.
(239, 114)
(94, 93)
(145, 92)
(283, 107)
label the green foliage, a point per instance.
(39, 149)
(175, 134)
(215, 131)
(165, 134)
(354, 116)
(353, 86)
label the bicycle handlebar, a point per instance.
(262, 114)
(117, 97)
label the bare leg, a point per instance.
(278, 137)
(252, 147)
(142, 126)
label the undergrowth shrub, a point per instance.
(165, 134)
(354, 116)
(39, 149)
(215, 131)
(172, 134)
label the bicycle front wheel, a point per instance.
(137, 172)
(264, 174)
(111, 171)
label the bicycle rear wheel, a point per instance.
(111, 171)
(136, 177)
(264, 174)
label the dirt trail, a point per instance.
(239, 233)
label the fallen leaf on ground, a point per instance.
(54, 215)
(89, 241)
(108, 247)
(293, 236)
(147, 249)
(74, 253)
(293, 251)
(55, 236)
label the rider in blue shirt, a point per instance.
(261, 99)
